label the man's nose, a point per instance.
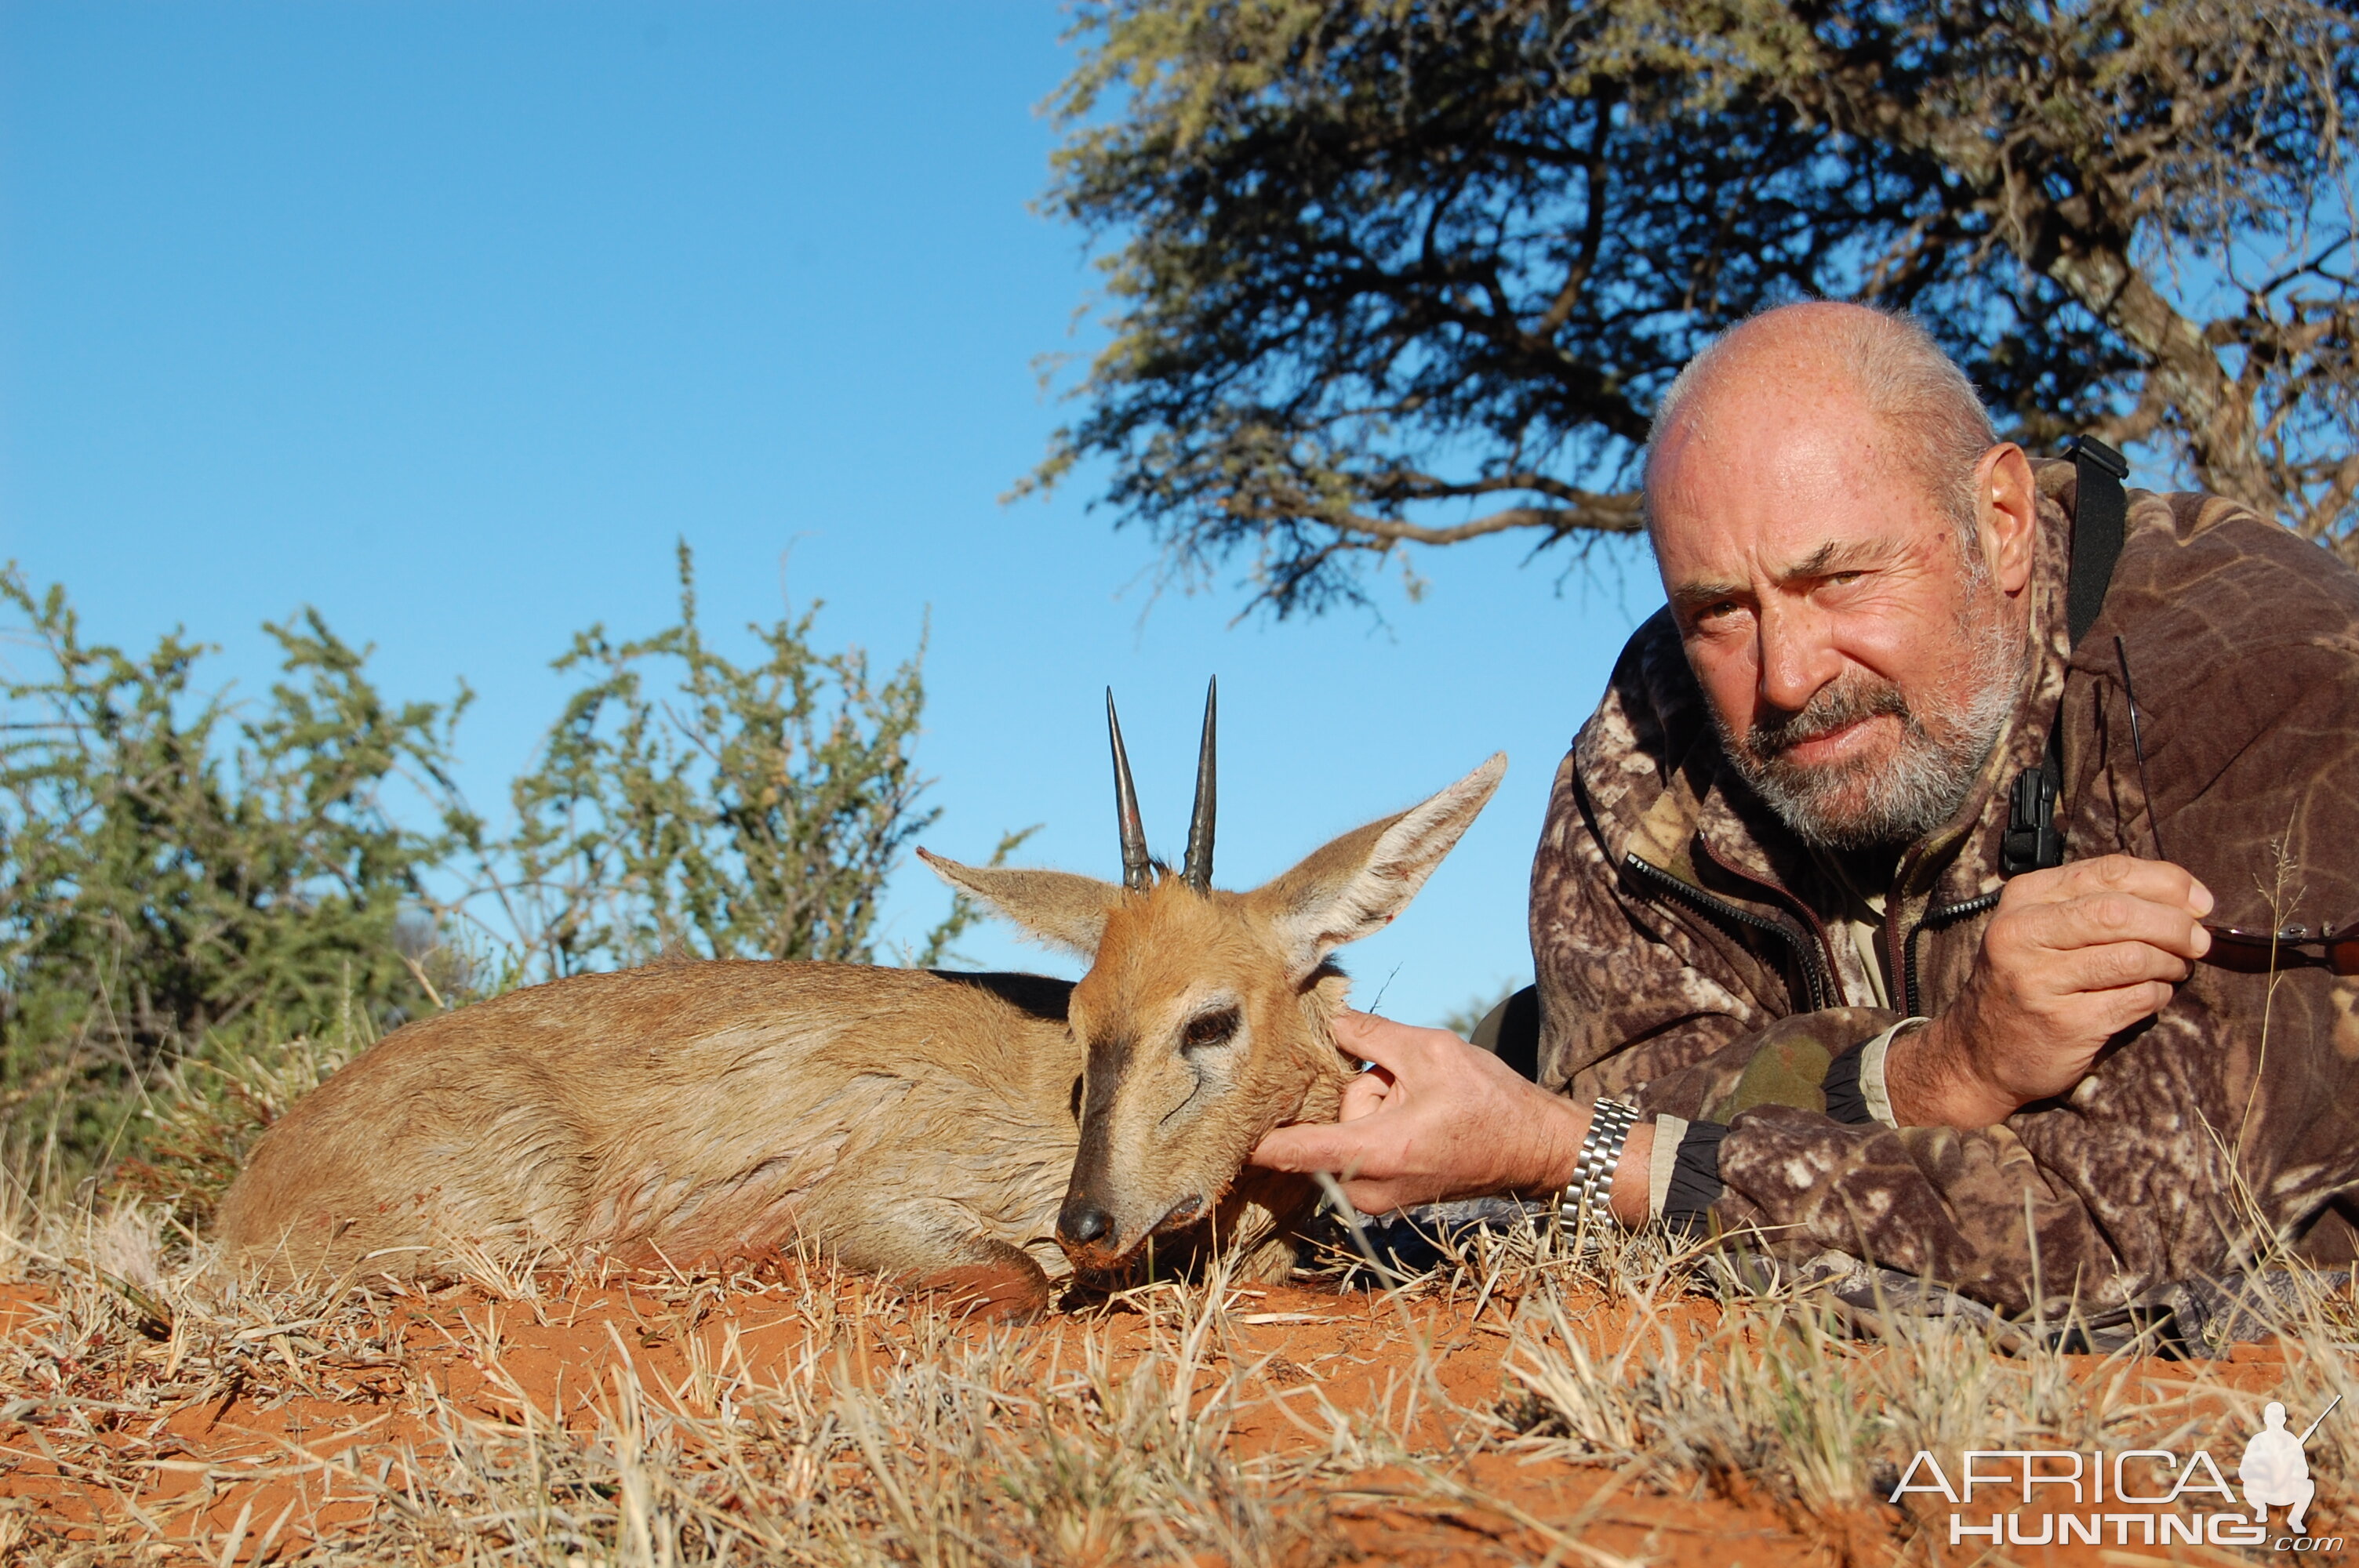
(1796, 657)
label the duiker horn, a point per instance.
(1137, 874)
(1198, 867)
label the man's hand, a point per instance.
(1437, 1119)
(2074, 956)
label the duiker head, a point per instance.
(1204, 1014)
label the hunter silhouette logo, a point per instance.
(2147, 1497)
(2276, 1470)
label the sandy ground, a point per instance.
(252, 1472)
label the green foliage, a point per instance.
(198, 896)
(1393, 272)
(753, 813)
(169, 868)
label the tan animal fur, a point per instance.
(932, 1125)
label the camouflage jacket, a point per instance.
(1681, 939)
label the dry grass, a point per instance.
(1631, 1403)
(872, 1431)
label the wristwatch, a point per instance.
(1610, 1121)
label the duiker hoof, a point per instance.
(987, 1292)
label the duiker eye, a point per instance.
(1210, 1029)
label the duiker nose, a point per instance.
(1082, 1222)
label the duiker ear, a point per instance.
(1055, 906)
(1357, 884)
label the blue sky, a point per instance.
(448, 319)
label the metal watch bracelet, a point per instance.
(1610, 1121)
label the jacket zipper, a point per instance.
(1947, 914)
(1820, 993)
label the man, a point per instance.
(1769, 907)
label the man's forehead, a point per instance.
(1715, 575)
(1757, 486)
(1792, 530)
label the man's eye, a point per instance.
(1209, 1028)
(1844, 580)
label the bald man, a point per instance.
(1771, 910)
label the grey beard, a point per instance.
(1882, 804)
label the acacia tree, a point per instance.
(1392, 272)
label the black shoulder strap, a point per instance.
(2033, 842)
(2098, 511)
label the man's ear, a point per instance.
(2007, 510)
(1056, 906)
(1355, 884)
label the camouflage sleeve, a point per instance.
(1936, 1202)
(1789, 1063)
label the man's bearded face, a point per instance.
(1853, 595)
(1871, 799)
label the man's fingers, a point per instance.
(2157, 882)
(1391, 1045)
(2116, 965)
(1378, 1197)
(1365, 1095)
(1315, 1146)
(1309, 1146)
(2105, 918)
(2120, 1008)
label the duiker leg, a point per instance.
(932, 1245)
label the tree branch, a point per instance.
(1599, 514)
